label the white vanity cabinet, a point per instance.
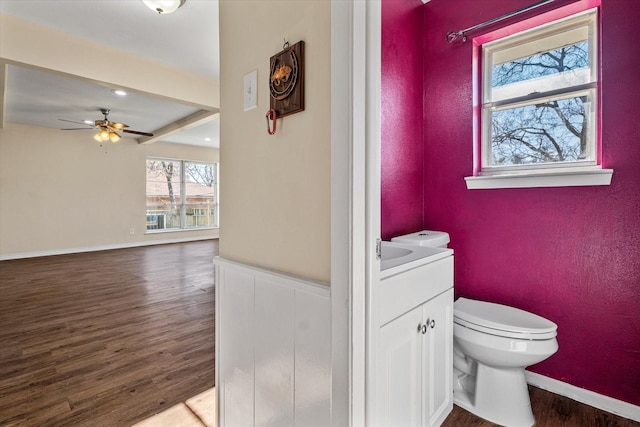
(415, 346)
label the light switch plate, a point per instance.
(251, 90)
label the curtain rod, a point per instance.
(452, 36)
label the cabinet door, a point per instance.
(400, 370)
(438, 353)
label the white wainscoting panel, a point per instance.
(274, 358)
(273, 350)
(237, 355)
(313, 360)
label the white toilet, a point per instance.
(492, 345)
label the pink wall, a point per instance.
(569, 254)
(402, 152)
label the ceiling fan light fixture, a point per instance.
(108, 130)
(114, 137)
(164, 6)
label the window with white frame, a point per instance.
(539, 96)
(181, 194)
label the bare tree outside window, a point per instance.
(552, 130)
(202, 173)
(539, 96)
(166, 170)
(549, 131)
(536, 105)
(201, 194)
(556, 61)
(181, 194)
(163, 194)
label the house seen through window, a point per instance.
(181, 194)
(539, 98)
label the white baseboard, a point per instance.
(6, 257)
(600, 401)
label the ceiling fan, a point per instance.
(107, 130)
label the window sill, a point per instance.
(576, 178)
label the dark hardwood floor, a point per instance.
(105, 338)
(549, 410)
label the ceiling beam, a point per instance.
(195, 119)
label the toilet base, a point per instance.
(497, 395)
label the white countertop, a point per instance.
(418, 255)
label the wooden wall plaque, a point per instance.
(286, 80)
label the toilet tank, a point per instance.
(435, 239)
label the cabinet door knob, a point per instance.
(433, 323)
(422, 329)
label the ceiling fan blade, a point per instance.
(78, 129)
(72, 121)
(137, 132)
(119, 126)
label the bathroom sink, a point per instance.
(396, 257)
(390, 252)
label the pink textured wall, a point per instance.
(402, 149)
(569, 254)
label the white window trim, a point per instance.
(570, 177)
(547, 175)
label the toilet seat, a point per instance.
(502, 320)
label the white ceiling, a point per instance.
(186, 39)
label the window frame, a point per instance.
(183, 205)
(522, 36)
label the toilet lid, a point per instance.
(502, 320)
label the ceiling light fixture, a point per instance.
(164, 6)
(105, 135)
(108, 130)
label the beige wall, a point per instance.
(61, 190)
(275, 190)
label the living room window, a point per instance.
(538, 110)
(181, 195)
